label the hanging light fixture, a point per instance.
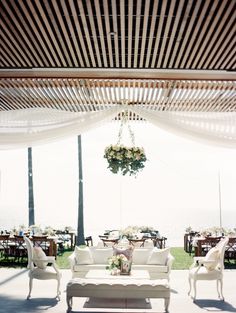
(123, 159)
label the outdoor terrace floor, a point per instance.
(14, 289)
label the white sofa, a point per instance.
(157, 262)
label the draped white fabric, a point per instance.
(217, 128)
(29, 127)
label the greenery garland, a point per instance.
(127, 160)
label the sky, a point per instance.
(179, 186)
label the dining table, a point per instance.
(14, 245)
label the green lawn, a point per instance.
(182, 259)
(62, 260)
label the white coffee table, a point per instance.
(101, 284)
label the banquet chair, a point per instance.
(209, 267)
(230, 252)
(137, 243)
(19, 250)
(38, 267)
(109, 242)
(88, 241)
(209, 243)
(4, 246)
(41, 241)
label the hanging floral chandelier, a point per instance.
(127, 160)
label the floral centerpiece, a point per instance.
(35, 230)
(130, 231)
(146, 229)
(188, 229)
(127, 160)
(136, 232)
(217, 231)
(115, 263)
(49, 231)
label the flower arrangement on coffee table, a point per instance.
(115, 263)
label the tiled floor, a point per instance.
(14, 288)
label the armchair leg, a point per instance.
(30, 287)
(190, 285)
(194, 289)
(58, 289)
(221, 289)
(217, 288)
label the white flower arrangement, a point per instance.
(35, 229)
(215, 231)
(125, 159)
(129, 231)
(135, 231)
(146, 229)
(22, 227)
(49, 231)
(114, 262)
(188, 229)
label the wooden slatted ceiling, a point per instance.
(81, 95)
(164, 34)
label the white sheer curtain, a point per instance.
(29, 127)
(217, 128)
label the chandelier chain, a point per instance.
(125, 122)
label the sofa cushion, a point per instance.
(128, 251)
(158, 256)
(141, 255)
(101, 256)
(83, 255)
(39, 255)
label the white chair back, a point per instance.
(221, 246)
(30, 250)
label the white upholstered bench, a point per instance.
(118, 288)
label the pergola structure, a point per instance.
(80, 62)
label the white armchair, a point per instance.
(209, 267)
(38, 268)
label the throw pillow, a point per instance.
(128, 252)
(102, 255)
(38, 256)
(83, 255)
(212, 255)
(141, 255)
(158, 256)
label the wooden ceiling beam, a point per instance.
(118, 74)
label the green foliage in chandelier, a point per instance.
(127, 160)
